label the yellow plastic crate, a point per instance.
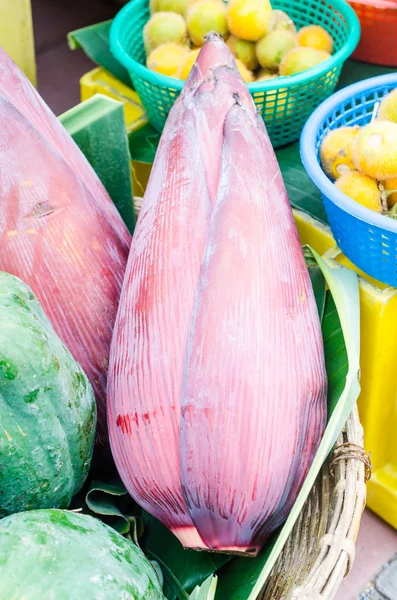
(16, 35)
(378, 399)
(99, 81)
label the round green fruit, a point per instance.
(272, 48)
(62, 555)
(47, 408)
(162, 28)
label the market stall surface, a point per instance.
(374, 573)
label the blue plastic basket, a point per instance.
(367, 238)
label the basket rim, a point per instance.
(307, 147)
(133, 66)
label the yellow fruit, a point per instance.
(281, 21)
(265, 74)
(315, 36)
(203, 17)
(272, 48)
(336, 151)
(388, 107)
(301, 59)
(178, 6)
(187, 63)
(249, 19)
(244, 51)
(362, 189)
(245, 73)
(163, 27)
(167, 58)
(391, 185)
(375, 150)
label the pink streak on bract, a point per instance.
(54, 237)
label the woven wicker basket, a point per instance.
(320, 551)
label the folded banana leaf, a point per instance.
(94, 41)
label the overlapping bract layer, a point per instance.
(59, 230)
(217, 384)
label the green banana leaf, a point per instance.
(94, 41)
(206, 591)
(189, 568)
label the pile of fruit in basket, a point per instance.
(362, 161)
(264, 42)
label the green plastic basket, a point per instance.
(285, 103)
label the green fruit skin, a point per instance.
(204, 17)
(47, 408)
(303, 60)
(163, 27)
(244, 51)
(178, 6)
(272, 48)
(62, 555)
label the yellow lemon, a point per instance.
(187, 63)
(315, 36)
(167, 58)
(249, 19)
(245, 73)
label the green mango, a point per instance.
(62, 555)
(47, 408)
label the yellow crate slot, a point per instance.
(99, 81)
(378, 399)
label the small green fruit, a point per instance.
(163, 27)
(244, 51)
(301, 59)
(272, 48)
(177, 6)
(203, 17)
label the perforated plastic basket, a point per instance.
(378, 43)
(367, 238)
(285, 103)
